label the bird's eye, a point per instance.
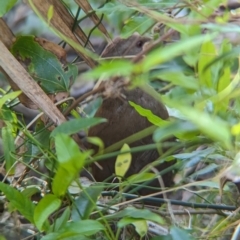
(139, 44)
(222, 8)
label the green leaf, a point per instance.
(177, 128)
(123, 161)
(222, 96)
(180, 79)
(30, 191)
(60, 222)
(2, 237)
(138, 24)
(6, 5)
(235, 130)
(203, 153)
(9, 116)
(8, 148)
(76, 125)
(140, 225)
(224, 67)
(79, 229)
(178, 233)
(111, 68)
(204, 171)
(148, 114)
(9, 96)
(44, 66)
(47, 205)
(57, 236)
(71, 161)
(50, 13)
(137, 214)
(161, 55)
(141, 177)
(211, 126)
(207, 54)
(96, 141)
(40, 140)
(113, 8)
(86, 202)
(210, 7)
(19, 201)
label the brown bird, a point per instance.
(123, 120)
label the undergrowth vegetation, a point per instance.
(191, 66)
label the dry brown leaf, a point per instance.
(53, 48)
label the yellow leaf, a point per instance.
(141, 227)
(235, 129)
(50, 13)
(123, 161)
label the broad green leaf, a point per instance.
(79, 229)
(86, 202)
(6, 5)
(19, 201)
(148, 114)
(47, 205)
(139, 224)
(9, 96)
(76, 125)
(71, 161)
(211, 126)
(220, 68)
(180, 79)
(137, 214)
(123, 161)
(8, 148)
(44, 66)
(61, 181)
(207, 54)
(30, 191)
(221, 96)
